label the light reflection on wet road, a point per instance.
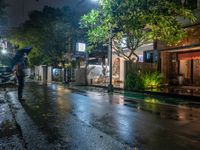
(144, 124)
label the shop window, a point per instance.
(148, 56)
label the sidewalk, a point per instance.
(183, 92)
(135, 98)
(9, 133)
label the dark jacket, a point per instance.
(20, 70)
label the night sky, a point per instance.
(18, 9)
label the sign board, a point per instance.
(80, 47)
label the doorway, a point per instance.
(185, 69)
(190, 69)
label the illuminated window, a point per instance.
(148, 56)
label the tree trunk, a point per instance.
(137, 57)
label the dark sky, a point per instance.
(18, 9)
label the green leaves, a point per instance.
(138, 20)
(143, 80)
(89, 20)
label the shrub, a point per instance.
(152, 80)
(133, 81)
(143, 80)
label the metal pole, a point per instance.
(110, 86)
(86, 66)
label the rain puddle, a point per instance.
(165, 107)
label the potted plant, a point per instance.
(180, 79)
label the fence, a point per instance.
(139, 66)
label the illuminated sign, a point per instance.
(80, 47)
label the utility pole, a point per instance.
(110, 86)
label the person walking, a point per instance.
(20, 61)
(20, 74)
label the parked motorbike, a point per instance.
(7, 79)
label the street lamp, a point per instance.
(110, 86)
(4, 51)
(95, 1)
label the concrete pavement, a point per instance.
(28, 135)
(10, 136)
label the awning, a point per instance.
(189, 56)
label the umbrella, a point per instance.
(19, 55)
(24, 50)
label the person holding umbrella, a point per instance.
(19, 67)
(20, 74)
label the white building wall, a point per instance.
(49, 75)
(40, 73)
(122, 72)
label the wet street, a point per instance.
(57, 117)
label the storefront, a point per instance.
(182, 60)
(189, 67)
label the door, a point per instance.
(185, 69)
(196, 72)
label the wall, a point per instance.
(38, 72)
(41, 73)
(97, 74)
(49, 75)
(80, 76)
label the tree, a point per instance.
(49, 32)
(135, 22)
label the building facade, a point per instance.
(182, 60)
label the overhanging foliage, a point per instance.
(139, 21)
(49, 32)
